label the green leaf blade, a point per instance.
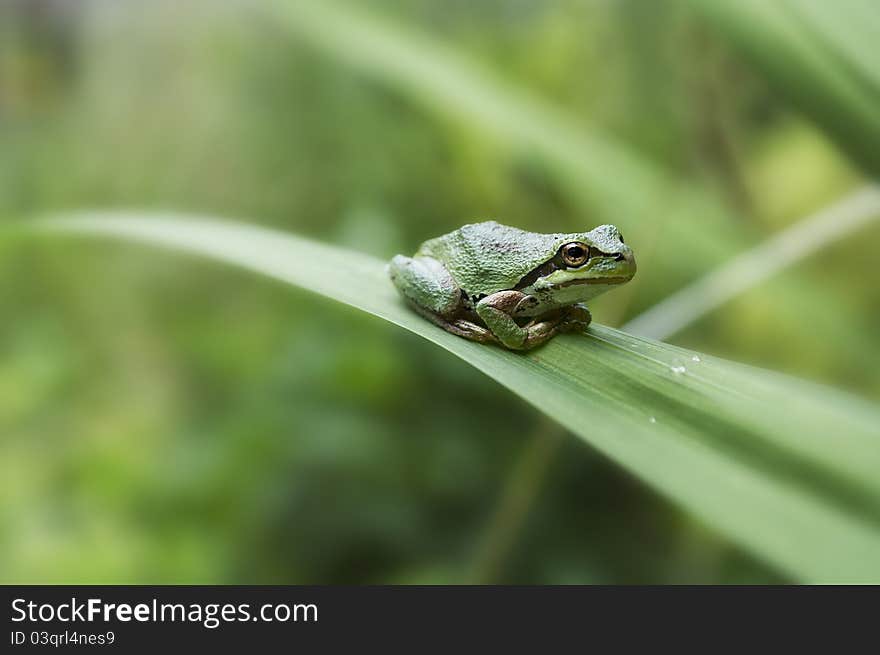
(781, 467)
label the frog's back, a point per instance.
(488, 257)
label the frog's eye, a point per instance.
(575, 254)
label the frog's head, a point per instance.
(582, 266)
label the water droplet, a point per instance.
(678, 370)
(695, 358)
(652, 419)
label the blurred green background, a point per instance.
(168, 420)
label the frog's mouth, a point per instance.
(594, 280)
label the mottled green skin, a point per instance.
(487, 257)
(494, 283)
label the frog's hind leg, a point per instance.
(433, 293)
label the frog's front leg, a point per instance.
(498, 311)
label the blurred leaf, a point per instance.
(784, 468)
(750, 268)
(823, 55)
(605, 176)
(597, 170)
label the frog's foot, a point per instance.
(576, 319)
(469, 330)
(459, 327)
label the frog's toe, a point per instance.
(470, 330)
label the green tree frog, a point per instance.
(493, 283)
